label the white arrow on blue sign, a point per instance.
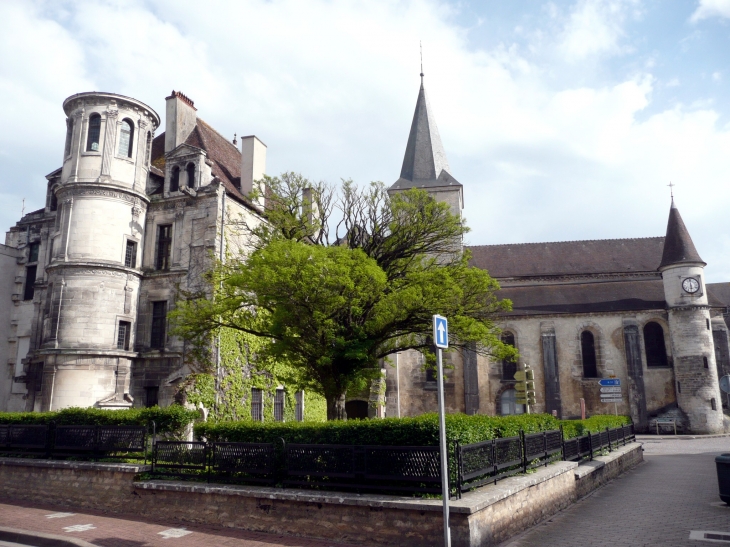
(441, 331)
(609, 382)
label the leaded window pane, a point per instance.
(92, 140)
(125, 139)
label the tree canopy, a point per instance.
(337, 280)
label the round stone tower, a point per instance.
(94, 274)
(695, 371)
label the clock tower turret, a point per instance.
(695, 371)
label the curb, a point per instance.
(680, 437)
(40, 539)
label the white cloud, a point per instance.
(595, 27)
(331, 86)
(711, 8)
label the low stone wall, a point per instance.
(484, 517)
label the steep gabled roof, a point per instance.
(678, 245)
(603, 256)
(224, 156)
(424, 163)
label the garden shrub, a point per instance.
(594, 424)
(172, 419)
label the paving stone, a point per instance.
(657, 504)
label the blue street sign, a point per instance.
(441, 331)
(609, 382)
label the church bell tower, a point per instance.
(695, 371)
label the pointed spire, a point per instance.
(678, 246)
(424, 163)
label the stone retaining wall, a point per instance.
(484, 517)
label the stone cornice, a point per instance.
(572, 279)
(100, 189)
(95, 268)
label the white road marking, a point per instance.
(79, 528)
(712, 537)
(59, 515)
(174, 533)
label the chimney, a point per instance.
(253, 164)
(180, 119)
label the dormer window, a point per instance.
(175, 179)
(92, 139)
(126, 138)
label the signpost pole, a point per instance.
(441, 339)
(444, 458)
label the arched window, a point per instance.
(588, 351)
(656, 351)
(126, 138)
(190, 169)
(148, 150)
(92, 139)
(508, 403)
(175, 179)
(69, 136)
(509, 366)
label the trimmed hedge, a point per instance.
(171, 419)
(578, 428)
(418, 431)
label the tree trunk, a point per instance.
(336, 407)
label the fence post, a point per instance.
(523, 449)
(457, 460)
(494, 459)
(590, 444)
(562, 441)
(208, 458)
(608, 432)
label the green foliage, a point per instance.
(243, 366)
(331, 312)
(594, 424)
(417, 431)
(172, 419)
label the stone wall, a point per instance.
(486, 516)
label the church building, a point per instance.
(131, 218)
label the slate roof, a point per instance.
(224, 155)
(719, 294)
(573, 298)
(678, 245)
(601, 256)
(424, 163)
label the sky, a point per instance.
(563, 120)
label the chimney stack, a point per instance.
(253, 164)
(180, 119)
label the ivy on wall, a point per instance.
(240, 370)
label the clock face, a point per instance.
(691, 285)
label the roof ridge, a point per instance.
(567, 241)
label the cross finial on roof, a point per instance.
(671, 190)
(420, 45)
(234, 139)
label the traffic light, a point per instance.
(525, 387)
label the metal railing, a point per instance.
(77, 441)
(489, 461)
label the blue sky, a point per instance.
(563, 120)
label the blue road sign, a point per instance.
(441, 331)
(609, 382)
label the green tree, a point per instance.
(335, 281)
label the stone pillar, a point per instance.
(471, 380)
(550, 367)
(635, 382)
(110, 132)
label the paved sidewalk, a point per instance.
(657, 504)
(115, 531)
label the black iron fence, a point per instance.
(76, 441)
(481, 463)
(336, 467)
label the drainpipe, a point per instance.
(218, 344)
